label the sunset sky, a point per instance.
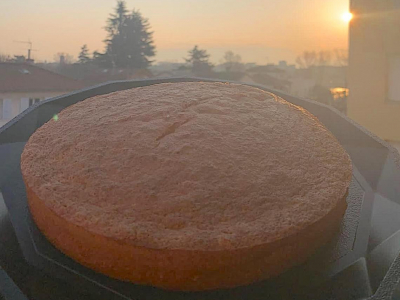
(262, 31)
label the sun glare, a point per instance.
(347, 16)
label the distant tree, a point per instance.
(84, 57)
(341, 57)
(307, 59)
(199, 61)
(103, 60)
(233, 62)
(5, 58)
(64, 58)
(324, 58)
(129, 43)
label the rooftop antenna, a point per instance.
(29, 48)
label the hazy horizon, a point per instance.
(261, 31)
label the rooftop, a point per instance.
(23, 77)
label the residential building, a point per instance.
(374, 66)
(302, 86)
(91, 74)
(165, 66)
(274, 76)
(330, 76)
(22, 85)
(289, 69)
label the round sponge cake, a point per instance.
(186, 186)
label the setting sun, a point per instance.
(347, 16)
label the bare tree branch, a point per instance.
(341, 57)
(307, 59)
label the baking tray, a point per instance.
(8, 289)
(360, 262)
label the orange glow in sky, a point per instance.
(262, 31)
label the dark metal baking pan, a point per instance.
(360, 262)
(8, 289)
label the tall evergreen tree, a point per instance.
(103, 60)
(129, 41)
(199, 60)
(84, 57)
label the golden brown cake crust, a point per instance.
(185, 270)
(186, 168)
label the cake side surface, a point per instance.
(183, 270)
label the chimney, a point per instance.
(30, 60)
(62, 59)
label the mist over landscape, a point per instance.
(297, 47)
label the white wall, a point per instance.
(14, 103)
